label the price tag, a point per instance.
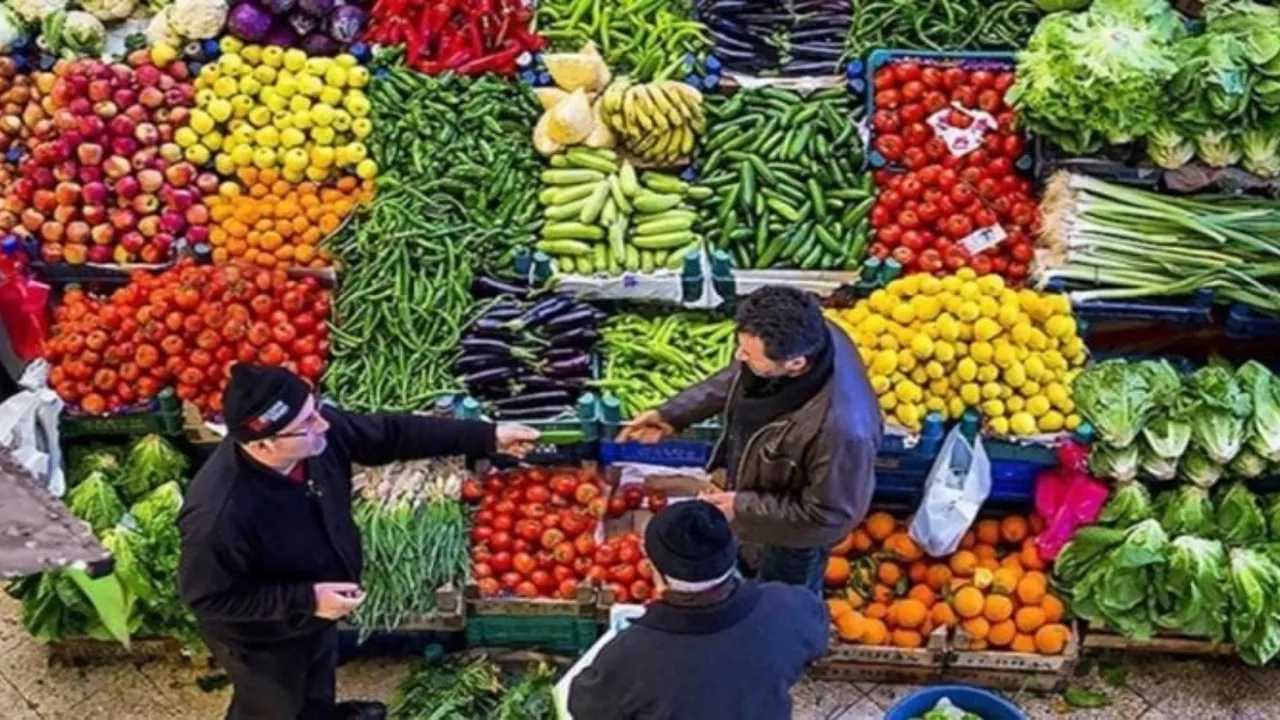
(962, 141)
(983, 239)
(630, 281)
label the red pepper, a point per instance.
(529, 41)
(475, 41)
(502, 61)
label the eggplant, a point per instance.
(489, 376)
(472, 363)
(535, 399)
(827, 52)
(577, 337)
(583, 316)
(558, 354)
(502, 312)
(491, 328)
(488, 287)
(543, 311)
(573, 367)
(533, 413)
(481, 346)
(535, 383)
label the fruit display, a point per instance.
(271, 108)
(883, 590)
(603, 217)
(960, 200)
(948, 345)
(104, 180)
(267, 221)
(21, 113)
(656, 121)
(184, 327)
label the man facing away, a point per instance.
(801, 430)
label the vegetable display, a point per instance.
(317, 27)
(409, 510)
(647, 361)
(184, 327)
(1111, 242)
(459, 196)
(1016, 365)
(656, 121)
(104, 180)
(883, 590)
(787, 171)
(467, 38)
(944, 25)
(478, 690)
(307, 116)
(601, 216)
(529, 359)
(962, 201)
(801, 38)
(647, 39)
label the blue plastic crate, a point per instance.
(1245, 323)
(1196, 310)
(1125, 164)
(669, 453)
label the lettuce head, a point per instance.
(1186, 511)
(1221, 409)
(1192, 596)
(1263, 430)
(1252, 577)
(1239, 517)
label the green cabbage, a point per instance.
(1118, 398)
(1239, 518)
(1221, 409)
(1129, 504)
(1119, 464)
(151, 462)
(1191, 595)
(1263, 433)
(1255, 605)
(95, 501)
(1186, 511)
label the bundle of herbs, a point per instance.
(478, 690)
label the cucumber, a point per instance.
(666, 225)
(627, 180)
(579, 157)
(565, 194)
(676, 259)
(699, 192)
(568, 248)
(665, 241)
(565, 212)
(575, 176)
(591, 209)
(653, 203)
(661, 183)
(571, 231)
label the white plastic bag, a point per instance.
(958, 483)
(29, 427)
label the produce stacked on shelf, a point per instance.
(961, 200)
(648, 39)
(140, 598)
(104, 180)
(183, 327)
(787, 170)
(1199, 427)
(458, 197)
(529, 358)
(647, 361)
(965, 342)
(950, 26)
(271, 108)
(317, 27)
(883, 590)
(479, 690)
(798, 38)
(467, 38)
(1215, 577)
(21, 113)
(1110, 242)
(572, 106)
(415, 538)
(603, 217)
(657, 122)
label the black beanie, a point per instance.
(260, 400)
(691, 541)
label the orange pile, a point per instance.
(265, 220)
(884, 591)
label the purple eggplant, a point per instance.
(573, 367)
(534, 383)
(490, 376)
(487, 287)
(535, 399)
(577, 337)
(543, 311)
(535, 413)
(558, 354)
(583, 316)
(346, 23)
(490, 328)
(472, 363)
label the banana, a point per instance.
(663, 101)
(687, 141)
(634, 112)
(649, 109)
(678, 100)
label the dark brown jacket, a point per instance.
(805, 479)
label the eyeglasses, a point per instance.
(310, 425)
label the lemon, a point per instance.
(231, 64)
(358, 105)
(880, 301)
(282, 120)
(274, 101)
(990, 390)
(907, 415)
(330, 95)
(919, 376)
(264, 74)
(322, 114)
(1038, 405)
(309, 84)
(981, 352)
(230, 44)
(356, 151)
(998, 426)
(967, 369)
(944, 351)
(229, 189)
(930, 285)
(341, 121)
(926, 307)
(264, 158)
(1004, 355)
(325, 136)
(225, 87)
(223, 163)
(939, 388)
(335, 75)
(316, 174)
(260, 116)
(249, 85)
(987, 373)
(1060, 326)
(1015, 404)
(907, 286)
(163, 54)
(955, 407)
(197, 155)
(243, 133)
(318, 65)
(186, 137)
(985, 329)
(971, 393)
(888, 401)
(252, 54)
(970, 291)
(300, 104)
(1022, 424)
(1015, 375)
(969, 311)
(935, 370)
(205, 97)
(879, 383)
(241, 105)
(292, 137)
(267, 137)
(1038, 340)
(991, 284)
(888, 342)
(1007, 315)
(323, 157)
(935, 405)
(242, 155)
(1029, 388)
(1073, 422)
(301, 120)
(212, 140)
(294, 59)
(906, 360)
(886, 362)
(297, 159)
(903, 313)
(922, 346)
(273, 56)
(950, 284)
(286, 88)
(993, 408)
(988, 307)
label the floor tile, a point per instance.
(1211, 691)
(11, 630)
(818, 699)
(371, 679)
(50, 688)
(887, 695)
(178, 683)
(127, 695)
(862, 710)
(13, 706)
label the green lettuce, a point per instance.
(1169, 147)
(1119, 588)
(1263, 433)
(1129, 504)
(1196, 467)
(95, 501)
(151, 462)
(1186, 511)
(1246, 465)
(1085, 549)
(1273, 518)
(1255, 608)
(1118, 398)
(1167, 431)
(1119, 464)
(1155, 466)
(1191, 594)
(1221, 409)
(1239, 517)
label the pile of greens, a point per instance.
(477, 690)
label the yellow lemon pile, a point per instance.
(949, 344)
(272, 108)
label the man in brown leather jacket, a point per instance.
(802, 426)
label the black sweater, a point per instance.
(254, 542)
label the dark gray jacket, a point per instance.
(805, 479)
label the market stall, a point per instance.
(548, 215)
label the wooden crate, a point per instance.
(194, 428)
(1013, 671)
(450, 616)
(1097, 636)
(583, 606)
(883, 664)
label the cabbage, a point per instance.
(1221, 409)
(1191, 596)
(1239, 518)
(1263, 433)
(1255, 606)
(151, 462)
(1129, 504)
(1114, 464)
(1119, 397)
(1186, 511)
(95, 501)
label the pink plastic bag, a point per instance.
(1067, 497)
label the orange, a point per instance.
(882, 594)
(855, 599)
(889, 573)
(1005, 580)
(877, 611)
(1029, 619)
(851, 626)
(916, 572)
(875, 633)
(997, 608)
(903, 547)
(1053, 609)
(968, 541)
(837, 572)
(976, 628)
(942, 614)
(1030, 556)
(963, 563)
(843, 547)
(1023, 643)
(862, 542)
(923, 593)
(880, 525)
(987, 531)
(907, 639)
(937, 576)
(911, 613)
(968, 602)
(1052, 639)
(1013, 529)
(1002, 633)
(837, 608)
(985, 551)
(1031, 589)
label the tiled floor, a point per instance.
(1155, 689)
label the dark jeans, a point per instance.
(289, 680)
(794, 566)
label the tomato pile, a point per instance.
(534, 535)
(184, 327)
(933, 201)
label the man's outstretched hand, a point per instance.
(648, 428)
(516, 440)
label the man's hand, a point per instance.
(516, 440)
(722, 500)
(648, 428)
(337, 600)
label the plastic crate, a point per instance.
(586, 423)
(1125, 164)
(982, 703)
(162, 417)
(686, 286)
(1196, 310)
(1245, 323)
(691, 448)
(563, 635)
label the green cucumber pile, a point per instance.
(602, 217)
(790, 185)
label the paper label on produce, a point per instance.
(983, 239)
(962, 141)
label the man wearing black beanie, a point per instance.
(271, 557)
(715, 647)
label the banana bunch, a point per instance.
(657, 121)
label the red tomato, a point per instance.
(523, 563)
(906, 72)
(905, 256)
(640, 590)
(914, 158)
(884, 79)
(481, 533)
(885, 121)
(565, 553)
(934, 101)
(930, 261)
(533, 511)
(617, 506)
(551, 538)
(538, 494)
(931, 77)
(982, 79)
(500, 562)
(1021, 252)
(890, 146)
(989, 101)
(889, 236)
(917, 133)
(908, 220)
(543, 581)
(524, 589)
(914, 112)
(563, 485)
(966, 97)
(953, 78)
(489, 587)
(913, 90)
(625, 574)
(582, 565)
(888, 99)
(500, 540)
(585, 492)
(980, 264)
(503, 521)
